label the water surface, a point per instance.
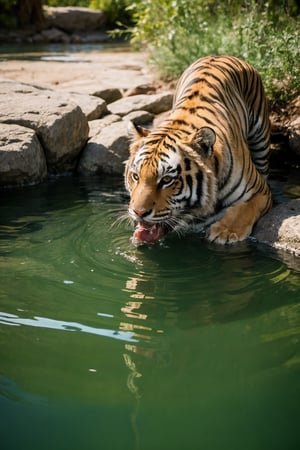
(57, 51)
(181, 345)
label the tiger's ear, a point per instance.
(136, 131)
(203, 141)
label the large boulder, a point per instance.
(72, 19)
(106, 151)
(109, 141)
(22, 160)
(60, 125)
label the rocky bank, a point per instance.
(55, 126)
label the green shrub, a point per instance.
(177, 32)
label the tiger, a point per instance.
(205, 167)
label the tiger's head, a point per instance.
(170, 178)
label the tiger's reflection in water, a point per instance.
(141, 312)
(138, 320)
(176, 312)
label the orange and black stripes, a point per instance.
(209, 170)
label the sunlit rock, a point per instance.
(106, 151)
(92, 107)
(22, 160)
(71, 19)
(60, 124)
(155, 104)
(280, 227)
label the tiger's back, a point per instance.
(215, 82)
(217, 136)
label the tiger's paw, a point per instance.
(222, 234)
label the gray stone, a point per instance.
(86, 37)
(61, 126)
(141, 89)
(54, 35)
(22, 160)
(107, 151)
(92, 107)
(96, 126)
(139, 117)
(280, 227)
(72, 19)
(155, 103)
(110, 95)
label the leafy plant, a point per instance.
(177, 32)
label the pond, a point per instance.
(57, 52)
(181, 345)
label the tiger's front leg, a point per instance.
(238, 220)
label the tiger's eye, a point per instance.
(166, 179)
(135, 176)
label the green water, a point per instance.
(183, 345)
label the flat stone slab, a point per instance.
(155, 104)
(92, 107)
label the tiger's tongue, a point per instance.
(148, 233)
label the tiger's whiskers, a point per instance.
(122, 216)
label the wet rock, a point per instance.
(72, 19)
(155, 103)
(60, 125)
(280, 227)
(107, 151)
(22, 160)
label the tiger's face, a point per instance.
(168, 184)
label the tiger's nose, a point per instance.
(142, 212)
